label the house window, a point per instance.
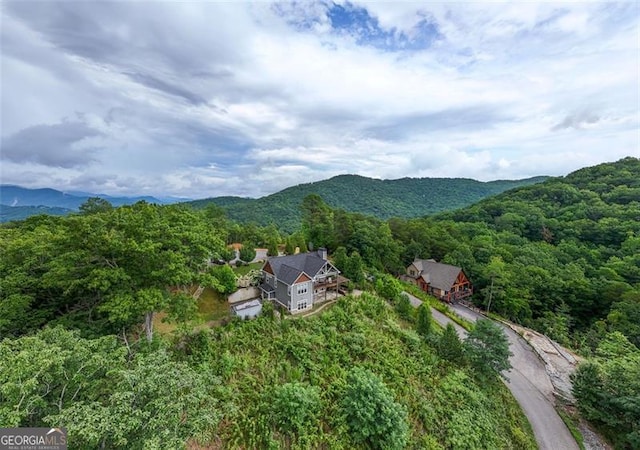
(302, 305)
(412, 272)
(302, 289)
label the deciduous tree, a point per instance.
(374, 418)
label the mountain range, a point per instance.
(18, 203)
(406, 197)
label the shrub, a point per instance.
(374, 418)
(295, 406)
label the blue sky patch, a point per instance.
(356, 21)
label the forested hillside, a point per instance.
(562, 256)
(77, 307)
(10, 213)
(406, 197)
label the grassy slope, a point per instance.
(447, 408)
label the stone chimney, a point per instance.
(322, 253)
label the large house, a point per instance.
(447, 282)
(299, 281)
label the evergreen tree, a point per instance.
(272, 248)
(424, 326)
(487, 349)
(403, 306)
(290, 247)
(449, 346)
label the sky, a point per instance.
(202, 99)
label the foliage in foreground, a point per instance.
(351, 377)
(326, 366)
(104, 397)
(374, 418)
(607, 389)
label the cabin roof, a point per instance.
(438, 275)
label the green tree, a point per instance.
(388, 287)
(95, 205)
(294, 407)
(496, 273)
(155, 254)
(272, 247)
(403, 306)
(247, 252)
(290, 247)
(224, 279)
(449, 346)
(341, 260)
(301, 242)
(374, 418)
(487, 349)
(317, 222)
(154, 403)
(44, 374)
(354, 269)
(217, 217)
(424, 326)
(625, 316)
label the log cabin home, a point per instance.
(444, 281)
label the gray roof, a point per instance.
(438, 275)
(267, 287)
(288, 268)
(288, 274)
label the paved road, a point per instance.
(528, 382)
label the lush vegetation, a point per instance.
(353, 377)
(562, 256)
(608, 390)
(106, 271)
(407, 197)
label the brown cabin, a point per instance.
(447, 282)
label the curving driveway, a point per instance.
(528, 382)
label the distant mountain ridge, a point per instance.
(405, 197)
(18, 203)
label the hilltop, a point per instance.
(406, 197)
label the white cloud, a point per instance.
(201, 99)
